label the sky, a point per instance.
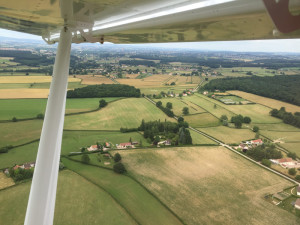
(281, 45)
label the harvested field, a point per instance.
(202, 120)
(272, 103)
(157, 78)
(97, 79)
(23, 93)
(30, 79)
(210, 180)
(123, 113)
(139, 83)
(5, 181)
(229, 135)
(132, 76)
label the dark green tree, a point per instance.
(102, 103)
(292, 171)
(247, 119)
(117, 157)
(185, 110)
(169, 105)
(159, 104)
(119, 168)
(255, 129)
(85, 158)
(266, 162)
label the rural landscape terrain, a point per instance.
(156, 136)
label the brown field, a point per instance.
(5, 181)
(30, 79)
(140, 83)
(272, 103)
(157, 78)
(209, 185)
(97, 79)
(23, 93)
(132, 76)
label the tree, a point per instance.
(102, 103)
(292, 155)
(14, 119)
(215, 106)
(297, 177)
(130, 140)
(119, 168)
(173, 83)
(40, 116)
(159, 104)
(117, 157)
(169, 105)
(223, 117)
(255, 129)
(83, 149)
(85, 158)
(185, 110)
(238, 124)
(180, 95)
(180, 119)
(292, 171)
(266, 162)
(61, 166)
(247, 119)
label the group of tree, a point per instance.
(284, 88)
(265, 151)
(19, 174)
(104, 90)
(177, 133)
(239, 120)
(167, 110)
(137, 63)
(102, 103)
(287, 117)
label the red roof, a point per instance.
(297, 202)
(257, 141)
(285, 160)
(94, 146)
(125, 144)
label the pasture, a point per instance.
(142, 206)
(91, 204)
(178, 105)
(272, 103)
(229, 135)
(209, 185)
(166, 89)
(123, 113)
(202, 120)
(200, 139)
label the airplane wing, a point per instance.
(144, 21)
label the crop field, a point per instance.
(209, 105)
(123, 113)
(30, 79)
(202, 120)
(29, 108)
(97, 79)
(16, 133)
(141, 205)
(157, 78)
(23, 93)
(73, 191)
(193, 106)
(272, 103)
(71, 85)
(278, 127)
(231, 99)
(241, 71)
(200, 139)
(5, 181)
(229, 135)
(210, 180)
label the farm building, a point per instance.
(286, 162)
(257, 142)
(92, 148)
(125, 145)
(297, 203)
(25, 166)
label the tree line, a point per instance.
(137, 62)
(284, 88)
(287, 117)
(104, 90)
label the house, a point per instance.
(92, 148)
(107, 145)
(257, 142)
(297, 203)
(298, 190)
(125, 145)
(243, 147)
(25, 166)
(165, 142)
(286, 162)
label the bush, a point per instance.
(185, 110)
(4, 150)
(247, 119)
(119, 168)
(266, 162)
(180, 119)
(117, 157)
(14, 119)
(40, 116)
(85, 158)
(292, 171)
(102, 103)
(255, 129)
(297, 177)
(292, 155)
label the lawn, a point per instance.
(145, 208)
(229, 135)
(30, 108)
(272, 103)
(202, 120)
(123, 113)
(209, 185)
(78, 202)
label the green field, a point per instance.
(200, 139)
(229, 135)
(178, 105)
(29, 108)
(166, 89)
(202, 120)
(210, 185)
(145, 208)
(78, 202)
(124, 113)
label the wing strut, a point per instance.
(41, 203)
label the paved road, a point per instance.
(233, 150)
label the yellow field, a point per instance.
(272, 103)
(132, 76)
(23, 93)
(5, 181)
(157, 78)
(209, 185)
(30, 79)
(97, 79)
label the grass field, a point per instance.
(29, 108)
(142, 206)
(123, 113)
(178, 105)
(272, 103)
(202, 120)
(209, 185)
(229, 135)
(166, 89)
(78, 202)
(200, 139)
(14, 86)
(30, 79)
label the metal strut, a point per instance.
(41, 203)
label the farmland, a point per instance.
(209, 180)
(29, 79)
(202, 120)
